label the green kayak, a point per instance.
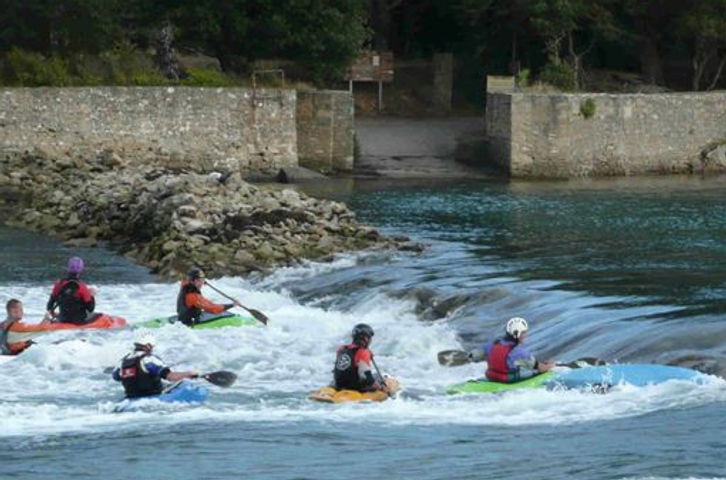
(483, 385)
(207, 321)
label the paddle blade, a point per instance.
(258, 315)
(453, 358)
(221, 378)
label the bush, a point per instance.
(30, 69)
(561, 76)
(587, 108)
(523, 78)
(199, 77)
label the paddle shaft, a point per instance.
(255, 313)
(378, 371)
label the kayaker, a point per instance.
(141, 372)
(191, 303)
(354, 363)
(17, 340)
(73, 297)
(509, 361)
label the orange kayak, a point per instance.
(101, 321)
(21, 331)
(331, 395)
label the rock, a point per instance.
(244, 257)
(264, 253)
(192, 225)
(299, 175)
(169, 220)
(714, 158)
(187, 211)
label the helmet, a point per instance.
(146, 339)
(196, 273)
(516, 326)
(362, 330)
(75, 265)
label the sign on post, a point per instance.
(371, 67)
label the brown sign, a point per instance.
(372, 67)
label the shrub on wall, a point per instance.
(523, 78)
(587, 108)
(199, 77)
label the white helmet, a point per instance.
(146, 339)
(516, 326)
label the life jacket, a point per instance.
(72, 308)
(136, 381)
(497, 369)
(4, 347)
(345, 372)
(187, 315)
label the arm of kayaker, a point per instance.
(542, 367)
(196, 300)
(176, 376)
(53, 299)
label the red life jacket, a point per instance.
(497, 369)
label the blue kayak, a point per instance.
(599, 379)
(181, 392)
(639, 375)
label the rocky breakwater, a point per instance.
(169, 220)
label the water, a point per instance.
(630, 271)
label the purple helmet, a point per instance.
(75, 265)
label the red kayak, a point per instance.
(20, 331)
(101, 320)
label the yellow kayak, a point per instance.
(331, 395)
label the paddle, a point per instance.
(255, 313)
(454, 358)
(221, 378)
(378, 371)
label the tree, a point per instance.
(705, 26)
(59, 27)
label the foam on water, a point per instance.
(61, 387)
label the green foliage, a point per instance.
(588, 108)
(199, 77)
(30, 69)
(560, 75)
(523, 78)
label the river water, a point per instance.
(626, 270)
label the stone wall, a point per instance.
(552, 136)
(325, 130)
(212, 128)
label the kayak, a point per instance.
(207, 321)
(100, 320)
(483, 385)
(639, 375)
(184, 391)
(599, 378)
(21, 331)
(332, 395)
